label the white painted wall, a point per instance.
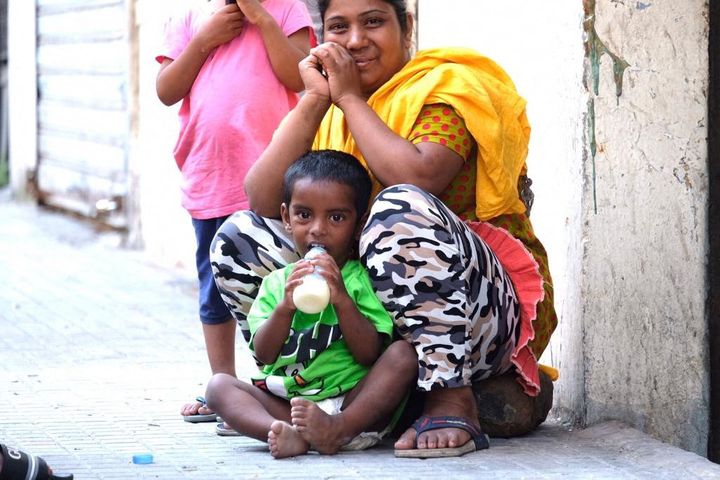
(165, 226)
(644, 276)
(541, 48)
(22, 94)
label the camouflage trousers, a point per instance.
(445, 289)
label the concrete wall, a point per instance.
(646, 356)
(541, 48)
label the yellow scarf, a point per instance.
(480, 92)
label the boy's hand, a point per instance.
(326, 267)
(222, 26)
(302, 268)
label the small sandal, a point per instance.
(20, 465)
(478, 440)
(225, 430)
(201, 417)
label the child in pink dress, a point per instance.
(235, 69)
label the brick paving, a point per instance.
(99, 348)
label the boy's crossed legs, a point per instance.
(293, 428)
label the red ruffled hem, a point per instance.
(524, 272)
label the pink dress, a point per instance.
(232, 110)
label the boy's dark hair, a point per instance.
(330, 166)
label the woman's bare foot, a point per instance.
(325, 433)
(457, 402)
(285, 441)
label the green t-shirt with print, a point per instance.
(315, 361)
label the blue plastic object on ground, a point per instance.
(142, 459)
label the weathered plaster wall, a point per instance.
(621, 193)
(541, 48)
(643, 276)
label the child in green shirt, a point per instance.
(313, 389)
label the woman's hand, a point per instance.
(342, 73)
(311, 72)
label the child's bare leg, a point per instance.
(248, 409)
(285, 441)
(368, 407)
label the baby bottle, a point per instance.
(313, 294)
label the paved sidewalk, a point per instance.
(99, 348)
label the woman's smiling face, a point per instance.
(371, 32)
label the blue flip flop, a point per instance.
(478, 440)
(201, 417)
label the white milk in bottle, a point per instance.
(313, 294)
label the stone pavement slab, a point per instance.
(99, 348)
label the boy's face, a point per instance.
(322, 213)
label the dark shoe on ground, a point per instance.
(199, 417)
(17, 465)
(504, 410)
(478, 440)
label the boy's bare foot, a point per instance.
(285, 441)
(325, 433)
(457, 402)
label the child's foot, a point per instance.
(285, 441)
(197, 411)
(323, 432)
